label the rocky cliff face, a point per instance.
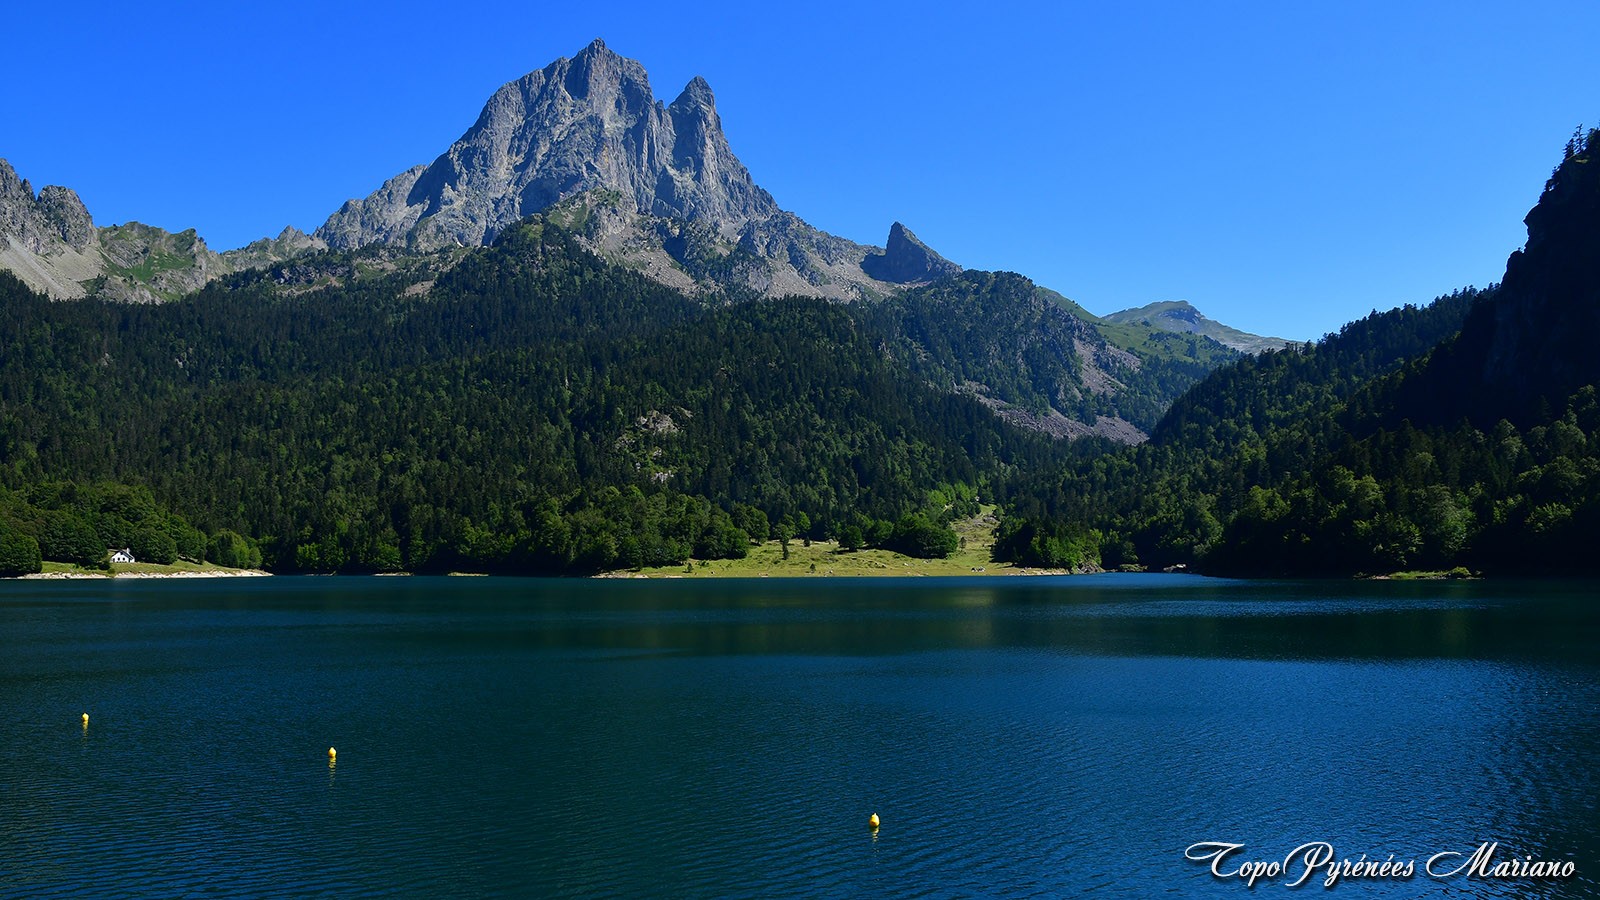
(586, 136)
(576, 125)
(47, 239)
(1532, 343)
(42, 223)
(1546, 314)
(50, 241)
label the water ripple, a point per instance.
(505, 739)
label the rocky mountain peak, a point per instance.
(1182, 317)
(907, 260)
(598, 72)
(64, 210)
(40, 223)
(50, 241)
(696, 93)
(577, 125)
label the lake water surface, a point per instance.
(1018, 736)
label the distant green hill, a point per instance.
(1180, 317)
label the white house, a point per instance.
(122, 556)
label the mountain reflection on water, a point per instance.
(1110, 615)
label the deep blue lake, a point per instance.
(1019, 737)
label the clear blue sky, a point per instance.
(1285, 166)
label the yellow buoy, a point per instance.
(873, 821)
(332, 753)
(85, 718)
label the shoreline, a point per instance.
(997, 571)
(620, 574)
(112, 576)
(825, 559)
(908, 570)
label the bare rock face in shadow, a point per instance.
(906, 260)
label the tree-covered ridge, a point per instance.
(1521, 356)
(1278, 388)
(995, 334)
(1463, 434)
(999, 336)
(1260, 421)
(531, 409)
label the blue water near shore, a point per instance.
(1019, 737)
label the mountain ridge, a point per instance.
(50, 241)
(583, 144)
(650, 186)
(591, 124)
(1180, 316)
(1457, 437)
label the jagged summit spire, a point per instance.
(697, 91)
(579, 124)
(38, 220)
(907, 260)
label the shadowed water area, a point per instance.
(1019, 737)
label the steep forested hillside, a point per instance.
(1523, 355)
(1262, 421)
(529, 408)
(1038, 358)
(1465, 433)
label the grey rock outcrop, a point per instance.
(290, 243)
(50, 241)
(66, 215)
(383, 217)
(47, 240)
(45, 223)
(906, 260)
